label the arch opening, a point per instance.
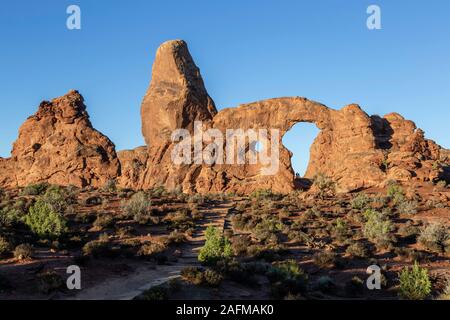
(299, 140)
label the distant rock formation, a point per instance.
(59, 145)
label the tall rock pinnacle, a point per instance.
(176, 96)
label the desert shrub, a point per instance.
(44, 221)
(152, 249)
(285, 270)
(216, 247)
(325, 186)
(415, 283)
(354, 287)
(435, 237)
(284, 213)
(158, 192)
(156, 293)
(103, 221)
(341, 230)
(110, 186)
(441, 183)
(180, 220)
(196, 198)
(56, 198)
(192, 275)
(34, 189)
(408, 230)
(50, 281)
(177, 237)
(5, 246)
(212, 278)
(286, 278)
(10, 216)
(138, 207)
(125, 232)
(361, 201)
(264, 194)
(409, 254)
(357, 250)
(378, 228)
(325, 259)
(23, 251)
(266, 230)
(396, 193)
(96, 249)
(407, 207)
(240, 244)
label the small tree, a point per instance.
(216, 247)
(415, 284)
(44, 221)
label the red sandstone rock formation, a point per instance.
(354, 149)
(58, 144)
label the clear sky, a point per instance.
(247, 50)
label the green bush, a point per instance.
(287, 278)
(341, 230)
(56, 198)
(361, 201)
(378, 228)
(325, 185)
(138, 207)
(357, 250)
(44, 221)
(216, 247)
(96, 249)
(415, 283)
(435, 237)
(34, 189)
(10, 216)
(396, 193)
(407, 207)
(325, 259)
(103, 221)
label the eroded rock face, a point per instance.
(59, 145)
(354, 149)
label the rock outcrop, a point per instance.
(352, 148)
(176, 96)
(59, 145)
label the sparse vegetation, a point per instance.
(435, 237)
(415, 283)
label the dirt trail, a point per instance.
(147, 276)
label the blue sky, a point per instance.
(246, 50)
